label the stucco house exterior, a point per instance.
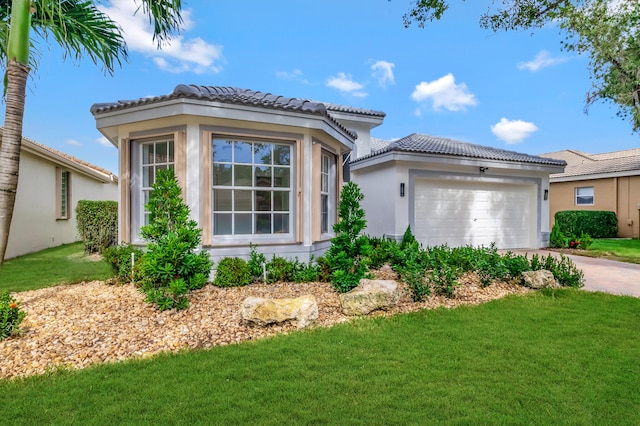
(265, 169)
(609, 181)
(50, 185)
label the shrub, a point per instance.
(256, 262)
(556, 238)
(171, 267)
(444, 281)
(97, 223)
(565, 271)
(119, 257)
(598, 224)
(407, 239)
(10, 315)
(306, 272)
(280, 269)
(349, 251)
(232, 272)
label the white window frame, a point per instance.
(234, 189)
(581, 199)
(63, 194)
(141, 187)
(328, 193)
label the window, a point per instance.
(63, 194)
(327, 192)
(584, 196)
(251, 188)
(147, 156)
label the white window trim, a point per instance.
(332, 183)
(63, 195)
(242, 239)
(592, 195)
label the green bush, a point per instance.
(444, 281)
(598, 224)
(256, 262)
(171, 267)
(119, 257)
(349, 253)
(556, 238)
(232, 272)
(280, 269)
(97, 224)
(10, 315)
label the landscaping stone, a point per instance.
(370, 295)
(539, 279)
(260, 311)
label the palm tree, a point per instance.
(81, 30)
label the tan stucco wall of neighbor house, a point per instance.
(617, 194)
(35, 224)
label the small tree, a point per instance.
(349, 251)
(171, 267)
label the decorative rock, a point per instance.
(302, 310)
(369, 296)
(539, 279)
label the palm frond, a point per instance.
(165, 17)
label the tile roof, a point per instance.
(583, 164)
(425, 144)
(235, 95)
(378, 144)
(30, 144)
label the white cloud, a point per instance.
(179, 55)
(104, 141)
(295, 75)
(383, 71)
(344, 83)
(542, 60)
(73, 142)
(513, 131)
(444, 93)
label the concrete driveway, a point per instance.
(601, 274)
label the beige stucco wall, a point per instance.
(34, 225)
(617, 194)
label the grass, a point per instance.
(65, 264)
(624, 250)
(553, 357)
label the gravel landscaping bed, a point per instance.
(74, 326)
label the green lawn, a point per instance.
(64, 264)
(554, 357)
(625, 250)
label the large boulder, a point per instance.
(539, 279)
(369, 296)
(302, 311)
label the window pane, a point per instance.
(222, 150)
(161, 153)
(262, 153)
(242, 200)
(263, 177)
(170, 157)
(242, 152)
(147, 153)
(280, 223)
(148, 175)
(325, 183)
(263, 201)
(281, 201)
(243, 224)
(222, 224)
(282, 155)
(281, 177)
(222, 200)
(222, 174)
(324, 210)
(263, 223)
(242, 175)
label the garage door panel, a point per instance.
(473, 213)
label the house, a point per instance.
(50, 185)
(267, 170)
(456, 193)
(609, 181)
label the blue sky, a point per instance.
(511, 90)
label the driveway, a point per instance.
(603, 275)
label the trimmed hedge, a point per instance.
(595, 223)
(97, 223)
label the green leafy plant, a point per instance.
(349, 251)
(119, 258)
(171, 267)
(97, 223)
(256, 262)
(10, 315)
(232, 272)
(556, 237)
(596, 223)
(444, 281)
(280, 269)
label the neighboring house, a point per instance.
(608, 181)
(264, 169)
(455, 193)
(49, 187)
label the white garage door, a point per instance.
(461, 213)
